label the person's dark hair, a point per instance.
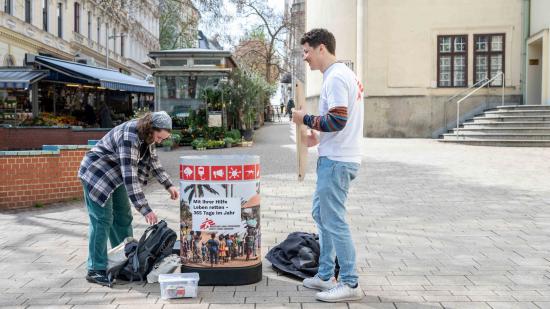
(145, 128)
(318, 36)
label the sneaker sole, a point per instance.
(339, 300)
(110, 285)
(318, 288)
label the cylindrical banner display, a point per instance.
(220, 218)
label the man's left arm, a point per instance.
(337, 116)
(334, 120)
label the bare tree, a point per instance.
(178, 24)
(274, 25)
(178, 19)
(252, 52)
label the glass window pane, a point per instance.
(460, 63)
(480, 67)
(167, 87)
(459, 79)
(444, 79)
(496, 63)
(459, 75)
(481, 63)
(445, 44)
(445, 71)
(481, 43)
(497, 81)
(445, 63)
(481, 76)
(460, 44)
(182, 91)
(496, 43)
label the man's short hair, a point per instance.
(318, 36)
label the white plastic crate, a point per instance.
(178, 285)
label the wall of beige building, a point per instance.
(18, 37)
(399, 58)
(339, 17)
(540, 16)
(538, 53)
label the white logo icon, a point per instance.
(218, 173)
(188, 171)
(201, 171)
(234, 173)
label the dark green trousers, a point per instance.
(112, 221)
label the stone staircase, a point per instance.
(508, 125)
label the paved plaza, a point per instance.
(435, 226)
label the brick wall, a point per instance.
(34, 137)
(28, 178)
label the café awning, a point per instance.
(107, 78)
(20, 78)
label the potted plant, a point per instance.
(228, 142)
(250, 116)
(176, 138)
(167, 144)
(199, 144)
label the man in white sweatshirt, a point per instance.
(338, 130)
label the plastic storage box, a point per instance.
(178, 285)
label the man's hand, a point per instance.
(298, 116)
(151, 218)
(312, 138)
(174, 194)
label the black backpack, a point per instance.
(155, 244)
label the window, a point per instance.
(175, 87)
(89, 25)
(28, 11)
(45, 8)
(122, 45)
(206, 61)
(8, 6)
(173, 62)
(107, 36)
(60, 20)
(9, 60)
(98, 30)
(77, 17)
(488, 57)
(452, 61)
(114, 40)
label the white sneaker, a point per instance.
(341, 292)
(318, 284)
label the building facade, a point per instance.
(414, 56)
(117, 35)
(295, 11)
(537, 88)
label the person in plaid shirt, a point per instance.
(112, 173)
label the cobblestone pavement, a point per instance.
(435, 226)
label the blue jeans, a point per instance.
(329, 212)
(113, 221)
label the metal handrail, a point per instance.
(499, 73)
(464, 90)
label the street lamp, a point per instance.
(107, 47)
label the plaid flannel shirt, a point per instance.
(115, 160)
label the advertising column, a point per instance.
(220, 218)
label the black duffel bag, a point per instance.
(297, 255)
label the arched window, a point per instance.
(9, 60)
